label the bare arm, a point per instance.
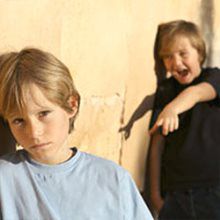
(156, 150)
(188, 98)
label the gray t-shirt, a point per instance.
(85, 187)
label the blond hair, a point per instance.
(168, 33)
(19, 69)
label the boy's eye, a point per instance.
(44, 113)
(183, 54)
(167, 57)
(17, 121)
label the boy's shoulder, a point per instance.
(210, 72)
(211, 69)
(210, 75)
(100, 161)
(102, 165)
(10, 159)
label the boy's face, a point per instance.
(42, 128)
(182, 60)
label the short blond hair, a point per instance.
(168, 32)
(31, 65)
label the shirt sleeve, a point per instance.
(134, 207)
(212, 76)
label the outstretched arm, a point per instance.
(155, 156)
(188, 98)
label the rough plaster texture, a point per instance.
(108, 46)
(103, 115)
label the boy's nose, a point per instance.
(177, 61)
(34, 129)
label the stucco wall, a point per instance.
(108, 46)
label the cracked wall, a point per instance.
(100, 114)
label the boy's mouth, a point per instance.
(183, 72)
(38, 146)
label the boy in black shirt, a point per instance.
(187, 108)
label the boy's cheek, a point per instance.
(167, 67)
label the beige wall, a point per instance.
(108, 46)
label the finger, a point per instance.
(171, 125)
(176, 123)
(166, 126)
(156, 125)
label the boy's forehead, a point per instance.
(32, 99)
(35, 96)
(177, 42)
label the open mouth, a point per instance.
(183, 72)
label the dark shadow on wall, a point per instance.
(140, 111)
(207, 22)
(7, 142)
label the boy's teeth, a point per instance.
(183, 72)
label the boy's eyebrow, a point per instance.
(163, 54)
(169, 52)
(13, 115)
(42, 107)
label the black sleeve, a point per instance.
(212, 76)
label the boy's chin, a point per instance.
(184, 80)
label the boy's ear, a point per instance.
(73, 103)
